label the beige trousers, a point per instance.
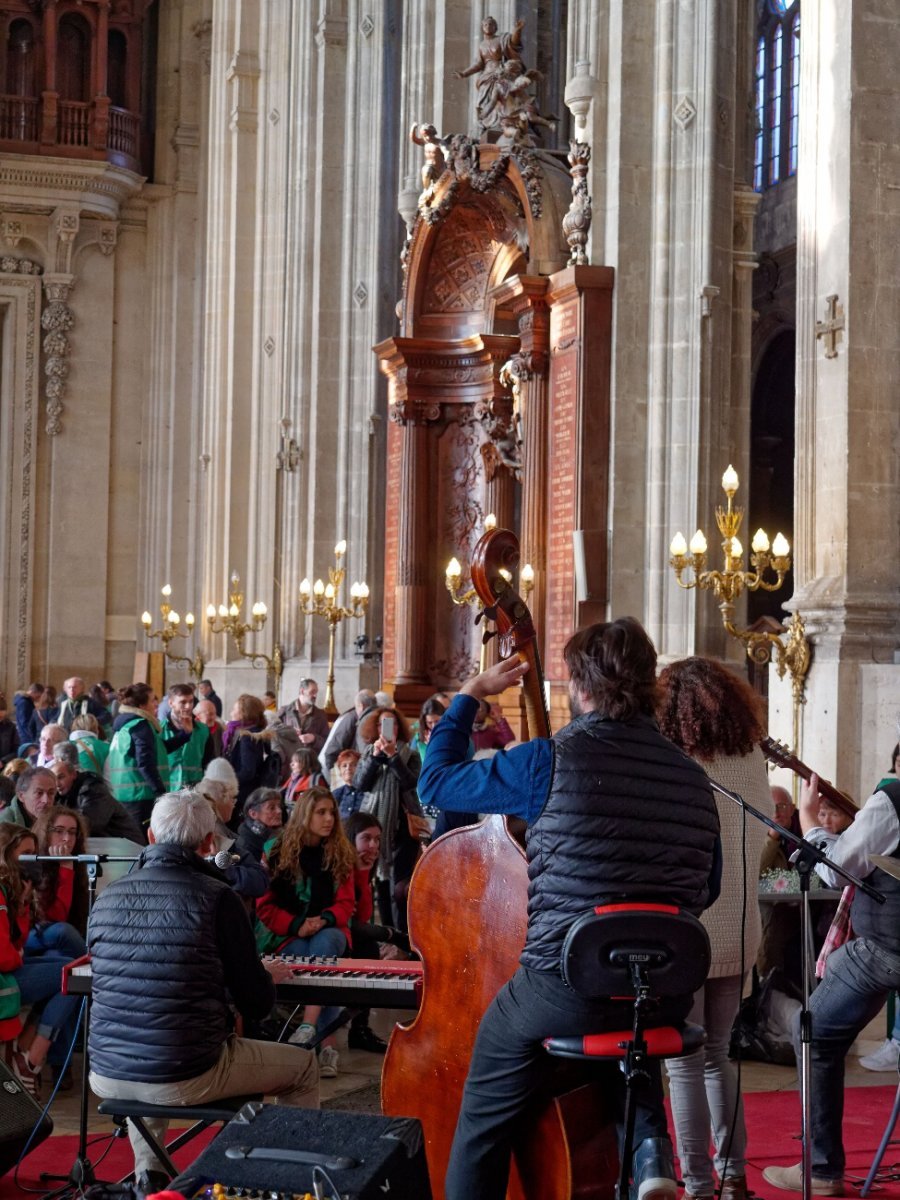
(288, 1073)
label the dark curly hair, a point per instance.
(706, 709)
(614, 664)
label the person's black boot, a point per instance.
(361, 1037)
(653, 1171)
(149, 1182)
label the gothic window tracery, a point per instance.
(776, 92)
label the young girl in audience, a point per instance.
(61, 897)
(310, 900)
(61, 907)
(38, 977)
(369, 941)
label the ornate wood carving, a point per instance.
(577, 221)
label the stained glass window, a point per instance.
(795, 94)
(760, 106)
(777, 93)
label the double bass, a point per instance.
(467, 917)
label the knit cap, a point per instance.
(220, 770)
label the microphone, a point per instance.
(223, 860)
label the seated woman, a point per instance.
(248, 877)
(61, 897)
(389, 769)
(304, 775)
(92, 750)
(61, 907)
(369, 940)
(310, 901)
(38, 977)
(263, 819)
(349, 799)
(46, 710)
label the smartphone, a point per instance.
(388, 728)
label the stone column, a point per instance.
(847, 483)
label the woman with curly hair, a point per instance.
(717, 718)
(311, 896)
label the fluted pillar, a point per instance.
(411, 588)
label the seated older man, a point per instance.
(35, 792)
(90, 795)
(173, 942)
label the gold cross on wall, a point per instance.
(830, 328)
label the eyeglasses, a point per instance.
(64, 831)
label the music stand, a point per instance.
(81, 1173)
(804, 858)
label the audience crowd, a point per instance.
(317, 828)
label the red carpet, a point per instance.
(773, 1123)
(57, 1154)
(773, 1127)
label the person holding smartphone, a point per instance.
(388, 771)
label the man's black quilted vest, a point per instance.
(159, 1010)
(881, 922)
(628, 816)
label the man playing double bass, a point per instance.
(614, 812)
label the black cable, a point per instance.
(46, 1107)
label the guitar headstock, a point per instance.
(777, 753)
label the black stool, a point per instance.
(644, 953)
(203, 1115)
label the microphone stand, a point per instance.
(81, 1174)
(804, 857)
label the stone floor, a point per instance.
(359, 1071)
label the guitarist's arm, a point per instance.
(876, 830)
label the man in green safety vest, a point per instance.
(187, 741)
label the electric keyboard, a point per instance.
(346, 982)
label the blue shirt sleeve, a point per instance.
(513, 782)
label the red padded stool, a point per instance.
(645, 953)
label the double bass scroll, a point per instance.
(494, 560)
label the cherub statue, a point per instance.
(520, 117)
(494, 50)
(434, 164)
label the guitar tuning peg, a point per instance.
(487, 635)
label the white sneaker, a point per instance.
(303, 1035)
(328, 1062)
(885, 1058)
